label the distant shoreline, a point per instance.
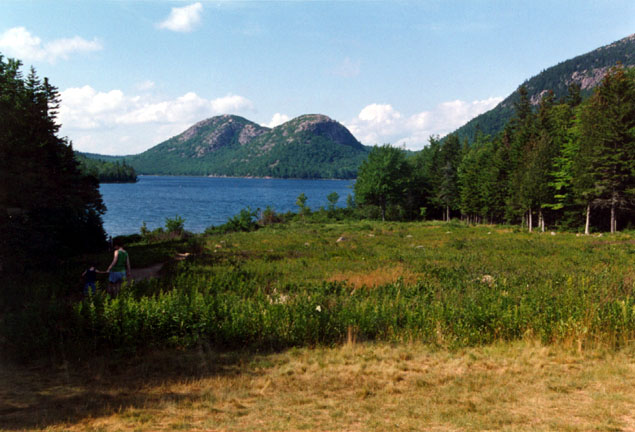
(243, 177)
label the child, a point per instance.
(90, 279)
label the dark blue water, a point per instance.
(204, 201)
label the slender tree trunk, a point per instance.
(541, 220)
(588, 219)
(383, 212)
(613, 221)
(530, 223)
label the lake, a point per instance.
(206, 201)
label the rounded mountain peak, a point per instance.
(220, 131)
(321, 125)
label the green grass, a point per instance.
(295, 284)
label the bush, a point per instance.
(269, 217)
(245, 220)
(176, 225)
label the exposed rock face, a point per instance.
(318, 125)
(588, 78)
(221, 131)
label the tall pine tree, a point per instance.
(48, 208)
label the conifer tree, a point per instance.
(48, 208)
(608, 143)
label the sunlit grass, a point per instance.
(521, 386)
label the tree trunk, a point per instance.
(447, 210)
(530, 223)
(541, 220)
(588, 219)
(613, 221)
(383, 213)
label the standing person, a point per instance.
(119, 268)
(90, 279)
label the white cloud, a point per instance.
(19, 42)
(381, 123)
(183, 19)
(382, 114)
(92, 118)
(277, 120)
(231, 103)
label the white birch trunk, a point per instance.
(588, 219)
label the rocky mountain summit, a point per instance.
(309, 146)
(587, 70)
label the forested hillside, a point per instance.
(114, 171)
(310, 146)
(569, 164)
(585, 71)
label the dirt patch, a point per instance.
(154, 271)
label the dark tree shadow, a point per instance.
(41, 396)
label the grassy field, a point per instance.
(521, 386)
(344, 326)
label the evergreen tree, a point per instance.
(48, 208)
(447, 187)
(608, 143)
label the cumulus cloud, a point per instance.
(183, 19)
(277, 120)
(19, 42)
(87, 114)
(381, 123)
(231, 103)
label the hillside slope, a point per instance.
(310, 146)
(587, 70)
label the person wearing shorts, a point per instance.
(119, 268)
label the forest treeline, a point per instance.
(107, 171)
(49, 208)
(565, 163)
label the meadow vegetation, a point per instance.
(306, 283)
(320, 323)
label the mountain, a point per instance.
(310, 146)
(587, 70)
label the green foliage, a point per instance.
(106, 171)
(383, 178)
(332, 198)
(474, 287)
(310, 146)
(175, 225)
(557, 79)
(174, 230)
(49, 209)
(269, 217)
(244, 221)
(608, 141)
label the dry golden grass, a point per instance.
(514, 387)
(377, 277)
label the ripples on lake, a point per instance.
(205, 201)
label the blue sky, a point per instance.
(134, 73)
